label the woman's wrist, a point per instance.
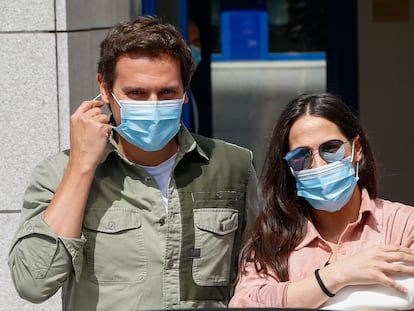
(322, 285)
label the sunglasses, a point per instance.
(301, 158)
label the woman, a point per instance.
(322, 228)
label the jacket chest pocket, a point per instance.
(214, 230)
(115, 247)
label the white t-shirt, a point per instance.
(162, 174)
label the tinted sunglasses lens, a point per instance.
(299, 159)
(333, 150)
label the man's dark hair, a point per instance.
(145, 35)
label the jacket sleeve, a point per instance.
(40, 261)
(254, 290)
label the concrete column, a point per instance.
(48, 59)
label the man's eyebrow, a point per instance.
(170, 88)
(127, 89)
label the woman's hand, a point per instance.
(371, 266)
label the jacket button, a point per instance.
(111, 225)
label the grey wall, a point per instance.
(48, 55)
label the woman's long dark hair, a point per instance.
(282, 223)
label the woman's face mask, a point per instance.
(328, 187)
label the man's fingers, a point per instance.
(102, 118)
(95, 111)
(90, 104)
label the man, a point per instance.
(151, 219)
(194, 40)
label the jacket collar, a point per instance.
(186, 144)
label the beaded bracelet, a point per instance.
(322, 286)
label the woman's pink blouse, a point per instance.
(379, 222)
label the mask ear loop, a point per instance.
(116, 99)
(100, 95)
(352, 159)
(353, 150)
(111, 120)
(357, 170)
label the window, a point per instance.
(268, 30)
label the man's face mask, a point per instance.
(149, 125)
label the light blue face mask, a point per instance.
(196, 52)
(149, 125)
(328, 187)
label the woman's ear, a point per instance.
(358, 154)
(103, 88)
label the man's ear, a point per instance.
(186, 99)
(103, 88)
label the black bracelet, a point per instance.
(323, 287)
